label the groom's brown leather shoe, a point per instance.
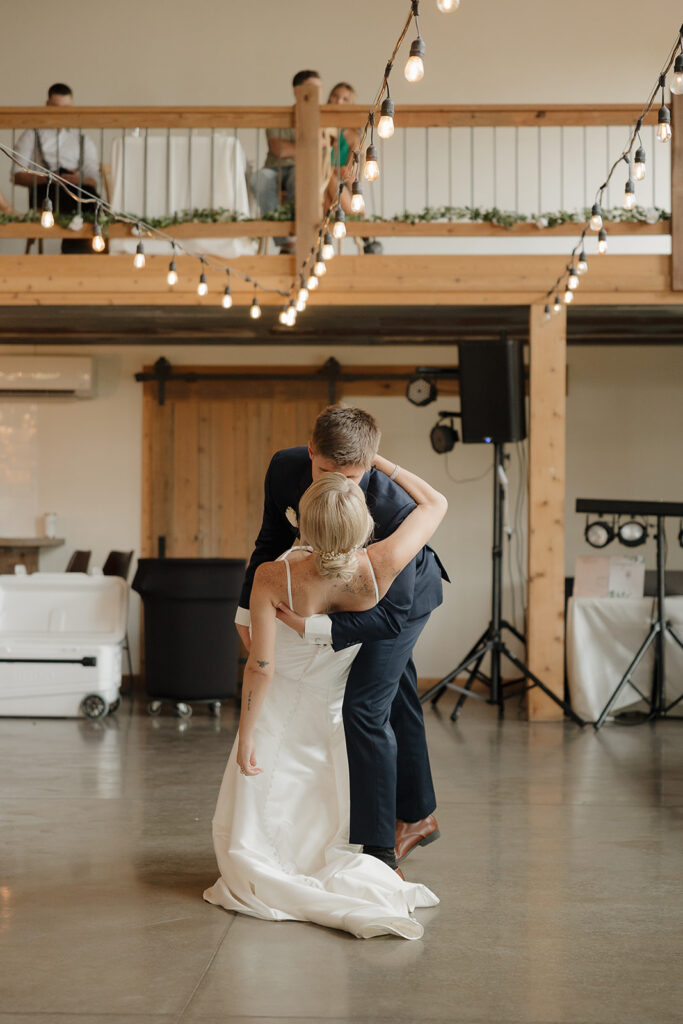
(410, 834)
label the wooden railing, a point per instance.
(308, 118)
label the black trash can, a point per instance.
(191, 644)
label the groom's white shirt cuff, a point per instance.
(243, 617)
(318, 628)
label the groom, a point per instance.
(391, 790)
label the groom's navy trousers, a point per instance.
(388, 762)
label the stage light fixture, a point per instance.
(599, 533)
(421, 391)
(444, 436)
(632, 533)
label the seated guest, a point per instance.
(279, 171)
(67, 152)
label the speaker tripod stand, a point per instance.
(491, 641)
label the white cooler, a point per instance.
(60, 644)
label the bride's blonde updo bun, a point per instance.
(334, 520)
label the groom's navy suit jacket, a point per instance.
(415, 592)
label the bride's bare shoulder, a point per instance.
(269, 575)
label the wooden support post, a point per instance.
(308, 212)
(547, 422)
(677, 194)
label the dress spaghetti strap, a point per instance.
(372, 573)
(289, 583)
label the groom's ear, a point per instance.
(310, 451)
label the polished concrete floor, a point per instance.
(559, 871)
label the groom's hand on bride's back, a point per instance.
(291, 619)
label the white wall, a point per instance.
(624, 430)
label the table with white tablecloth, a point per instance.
(165, 174)
(603, 636)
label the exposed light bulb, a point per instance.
(596, 217)
(664, 124)
(255, 309)
(282, 316)
(202, 287)
(339, 226)
(97, 242)
(301, 303)
(385, 128)
(557, 304)
(568, 296)
(371, 169)
(319, 268)
(573, 279)
(47, 219)
(172, 276)
(415, 69)
(303, 293)
(639, 164)
(602, 241)
(582, 265)
(139, 258)
(546, 312)
(291, 315)
(226, 301)
(357, 201)
(629, 194)
(312, 282)
(677, 79)
(446, 6)
(328, 246)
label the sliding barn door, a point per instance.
(205, 454)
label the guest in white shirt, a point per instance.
(67, 152)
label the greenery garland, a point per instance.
(430, 214)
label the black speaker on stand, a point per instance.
(493, 411)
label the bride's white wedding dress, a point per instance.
(281, 837)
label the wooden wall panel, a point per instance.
(206, 451)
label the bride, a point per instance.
(281, 824)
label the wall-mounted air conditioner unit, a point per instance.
(34, 376)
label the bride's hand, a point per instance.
(246, 758)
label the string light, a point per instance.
(291, 314)
(568, 295)
(301, 303)
(226, 301)
(371, 169)
(415, 69)
(677, 78)
(319, 268)
(255, 310)
(446, 6)
(312, 282)
(47, 219)
(557, 304)
(357, 201)
(385, 126)
(629, 192)
(663, 116)
(328, 246)
(602, 241)
(573, 279)
(303, 292)
(639, 164)
(202, 287)
(139, 258)
(546, 312)
(98, 244)
(282, 317)
(582, 265)
(339, 226)
(596, 217)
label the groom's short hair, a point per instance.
(346, 436)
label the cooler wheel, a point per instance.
(215, 709)
(93, 706)
(184, 710)
(154, 707)
(114, 705)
